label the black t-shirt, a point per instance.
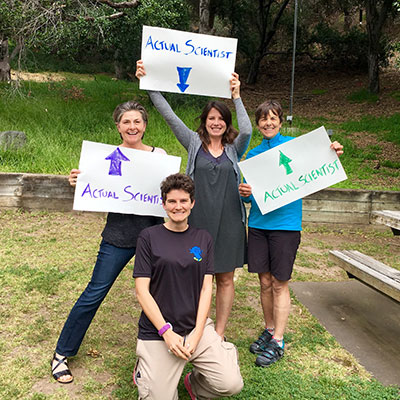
(122, 230)
(176, 262)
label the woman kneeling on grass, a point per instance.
(273, 240)
(173, 276)
(116, 249)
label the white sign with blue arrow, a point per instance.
(292, 170)
(186, 62)
(122, 180)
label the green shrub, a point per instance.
(343, 50)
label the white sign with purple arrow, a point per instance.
(186, 62)
(122, 180)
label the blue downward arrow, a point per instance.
(183, 73)
(116, 158)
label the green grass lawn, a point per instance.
(45, 262)
(46, 259)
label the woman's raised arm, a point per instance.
(180, 130)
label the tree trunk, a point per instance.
(373, 73)
(347, 21)
(119, 66)
(5, 69)
(267, 31)
(376, 19)
(254, 68)
(204, 14)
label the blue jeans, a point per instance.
(110, 262)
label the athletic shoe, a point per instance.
(271, 354)
(188, 386)
(258, 346)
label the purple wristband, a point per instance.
(164, 328)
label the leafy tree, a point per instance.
(118, 39)
(74, 28)
(332, 9)
(378, 13)
(20, 22)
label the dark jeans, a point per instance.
(110, 262)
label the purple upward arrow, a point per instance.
(116, 158)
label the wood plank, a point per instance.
(335, 217)
(49, 204)
(376, 265)
(10, 202)
(385, 200)
(387, 217)
(351, 195)
(10, 184)
(55, 186)
(336, 205)
(368, 275)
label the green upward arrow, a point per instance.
(285, 160)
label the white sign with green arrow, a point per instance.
(293, 170)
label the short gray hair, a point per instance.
(130, 105)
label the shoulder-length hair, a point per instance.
(229, 135)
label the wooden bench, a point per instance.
(388, 218)
(366, 269)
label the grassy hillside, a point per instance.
(57, 115)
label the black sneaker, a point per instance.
(271, 354)
(258, 346)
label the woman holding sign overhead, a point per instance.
(117, 247)
(213, 153)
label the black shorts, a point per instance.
(273, 251)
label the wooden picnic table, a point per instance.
(368, 270)
(389, 218)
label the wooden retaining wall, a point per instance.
(53, 193)
(35, 192)
(347, 205)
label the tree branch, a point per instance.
(16, 50)
(112, 16)
(271, 32)
(123, 4)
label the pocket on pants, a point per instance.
(140, 381)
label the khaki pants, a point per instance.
(215, 368)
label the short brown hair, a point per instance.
(269, 105)
(229, 135)
(177, 182)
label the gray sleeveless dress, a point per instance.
(218, 210)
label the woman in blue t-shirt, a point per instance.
(273, 240)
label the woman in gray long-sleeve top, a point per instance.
(213, 153)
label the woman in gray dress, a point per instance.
(213, 153)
